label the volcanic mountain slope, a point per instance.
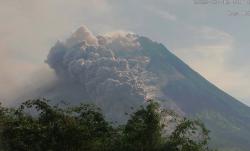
(121, 70)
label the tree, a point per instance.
(143, 131)
(54, 129)
(38, 125)
(189, 135)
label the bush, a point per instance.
(38, 126)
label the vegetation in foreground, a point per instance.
(38, 126)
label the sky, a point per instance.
(211, 38)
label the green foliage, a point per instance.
(53, 128)
(188, 136)
(143, 130)
(38, 126)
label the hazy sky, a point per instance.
(212, 38)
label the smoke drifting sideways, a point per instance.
(101, 70)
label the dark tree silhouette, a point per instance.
(38, 126)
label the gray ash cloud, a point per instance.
(101, 68)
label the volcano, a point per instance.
(119, 71)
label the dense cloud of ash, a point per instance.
(102, 70)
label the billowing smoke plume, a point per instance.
(101, 67)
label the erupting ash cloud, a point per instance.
(101, 67)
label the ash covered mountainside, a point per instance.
(121, 70)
